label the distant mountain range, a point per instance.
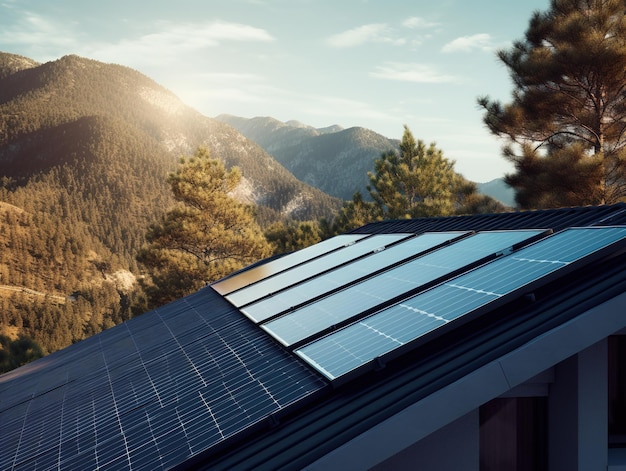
(499, 190)
(333, 159)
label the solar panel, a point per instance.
(427, 313)
(312, 268)
(252, 275)
(363, 297)
(346, 274)
(149, 393)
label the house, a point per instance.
(482, 342)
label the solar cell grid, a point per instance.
(407, 321)
(146, 457)
(179, 325)
(312, 268)
(346, 274)
(171, 384)
(366, 295)
(47, 460)
(252, 275)
(143, 400)
(79, 461)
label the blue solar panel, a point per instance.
(150, 393)
(252, 275)
(346, 274)
(312, 268)
(400, 324)
(365, 296)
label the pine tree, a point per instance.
(207, 236)
(417, 181)
(18, 352)
(565, 128)
(353, 214)
(288, 236)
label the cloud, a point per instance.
(480, 41)
(170, 43)
(415, 22)
(229, 77)
(334, 107)
(185, 37)
(36, 32)
(47, 38)
(411, 72)
(380, 33)
(371, 33)
(221, 31)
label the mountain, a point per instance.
(71, 88)
(11, 63)
(333, 159)
(85, 149)
(498, 190)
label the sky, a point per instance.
(378, 64)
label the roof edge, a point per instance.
(487, 382)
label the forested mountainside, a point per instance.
(70, 88)
(11, 63)
(85, 148)
(333, 159)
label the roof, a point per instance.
(556, 219)
(202, 383)
(131, 397)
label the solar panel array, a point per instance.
(312, 268)
(359, 298)
(257, 273)
(407, 321)
(346, 274)
(149, 393)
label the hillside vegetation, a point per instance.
(85, 149)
